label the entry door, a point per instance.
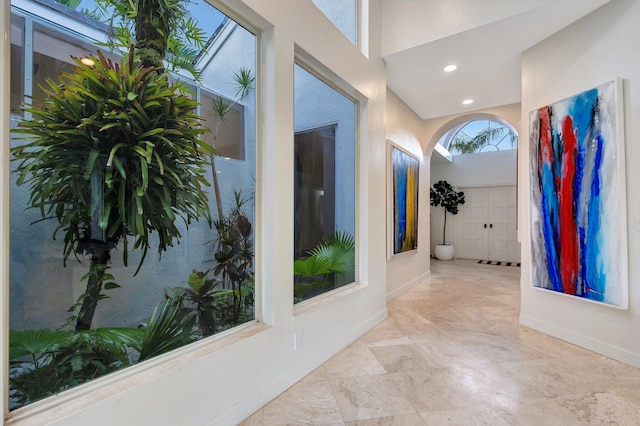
(486, 227)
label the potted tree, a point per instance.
(445, 196)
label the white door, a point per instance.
(487, 225)
(471, 233)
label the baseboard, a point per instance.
(407, 286)
(595, 345)
(261, 397)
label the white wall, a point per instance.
(482, 169)
(224, 379)
(596, 49)
(410, 23)
(406, 129)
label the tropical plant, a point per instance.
(493, 136)
(203, 298)
(45, 362)
(50, 361)
(113, 153)
(161, 30)
(233, 251)
(243, 82)
(170, 327)
(333, 258)
(443, 194)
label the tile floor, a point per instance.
(452, 353)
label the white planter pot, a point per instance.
(444, 252)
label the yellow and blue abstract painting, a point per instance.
(578, 198)
(405, 200)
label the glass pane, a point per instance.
(81, 285)
(343, 14)
(227, 131)
(17, 64)
(52, 54)
(482, 136)
(324, 188)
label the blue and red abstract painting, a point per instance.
(578, 198)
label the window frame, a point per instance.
(314, 67)
(101, 388)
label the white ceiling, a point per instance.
(484, 38)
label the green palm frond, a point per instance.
(170, 327)
(334, 254)
(35, 343)
(311, 267)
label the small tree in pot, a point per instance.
(444, 195)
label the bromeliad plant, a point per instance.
(113, 154)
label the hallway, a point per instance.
(452, 353)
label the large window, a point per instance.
(480, 136)
(197, 277)
(324, 188)
(343, 14)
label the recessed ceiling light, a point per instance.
(467, 102)
(450, 68)
(87, 61)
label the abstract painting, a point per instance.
(404, 169)
(578, 197)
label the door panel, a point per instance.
(502, 235)
(487, 225)
(472, 241)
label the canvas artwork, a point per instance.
(579, 245)
(404, 169)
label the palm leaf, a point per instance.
(170, 327)
(35, 343)
(311, 267)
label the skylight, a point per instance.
(479, 136)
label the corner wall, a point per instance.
(594, 50)
(406, 129)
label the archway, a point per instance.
(485, 228)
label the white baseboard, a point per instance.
(261, 397)
(407, 286)
(595, 345)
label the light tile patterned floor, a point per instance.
(452, 353)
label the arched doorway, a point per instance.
(477, 154)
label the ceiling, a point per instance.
(484, 38)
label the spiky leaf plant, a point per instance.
(112, 154)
